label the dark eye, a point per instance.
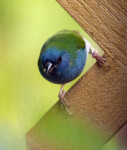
(59, 59)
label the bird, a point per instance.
(63, 57)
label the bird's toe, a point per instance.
(63, 92)
(64, 103)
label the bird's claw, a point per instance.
(64, 103)
(63, 106)
(63, 99)
(101, 60)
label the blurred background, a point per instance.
(24, 95)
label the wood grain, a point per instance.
(101, 95)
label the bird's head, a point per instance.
(54, 61)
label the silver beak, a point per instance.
(49, 65)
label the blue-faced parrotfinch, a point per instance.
(63, 57)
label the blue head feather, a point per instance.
(52, 55)
(67, 70)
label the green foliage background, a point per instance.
(24, 95)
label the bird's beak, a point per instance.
(49, 67)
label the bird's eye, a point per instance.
(59, 59)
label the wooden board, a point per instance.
(101, 94)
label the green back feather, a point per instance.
(66, 40)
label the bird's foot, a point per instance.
(101, 60)
(64, 103)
